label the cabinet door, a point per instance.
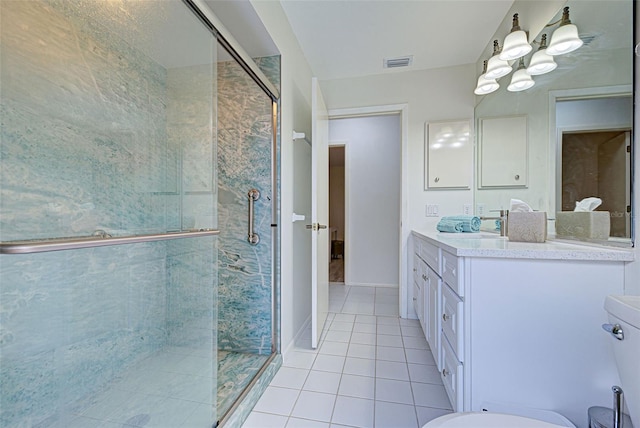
(419, 279)
(448, 155)
(503, 156)
(432, 307)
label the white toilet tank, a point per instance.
(625, 312)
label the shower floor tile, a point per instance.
(173, 387)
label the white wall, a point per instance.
(295, 105)
(372, 168)
(432, 95)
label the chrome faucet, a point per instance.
(504, 217)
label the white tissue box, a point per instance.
(583, 224)
(527, 226)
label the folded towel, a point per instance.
(449, 226)
(469, 223)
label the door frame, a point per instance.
(403, 110)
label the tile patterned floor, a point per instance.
(336, 270)
(372, 369)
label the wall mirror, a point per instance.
(582, 108)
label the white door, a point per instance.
(319, 213)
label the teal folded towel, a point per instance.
(449, 226)
(469, 223)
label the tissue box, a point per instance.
(587, 224)
(527, 226)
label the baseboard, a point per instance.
(368, 284)
(299, 334)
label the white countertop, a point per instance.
(490, 245)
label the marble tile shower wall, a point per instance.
(86, 146)
(244, 161)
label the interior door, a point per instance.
(319, 213)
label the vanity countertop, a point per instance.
(489, 245)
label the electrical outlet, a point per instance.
(427, 210)
(480, 209)
(466, 209)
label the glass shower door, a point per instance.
(244, 182)
(108, 144)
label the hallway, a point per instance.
(372, 369)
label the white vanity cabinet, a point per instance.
(520, 323)
(426, 292)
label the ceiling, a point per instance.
(350, 38)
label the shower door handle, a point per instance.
(252, 237)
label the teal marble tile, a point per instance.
(235, 371)
(241, 413)
(98, 135)
(85, 146)
(244, 161)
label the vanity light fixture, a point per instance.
(521, 80)
(516, 44)
(496, 67)
(541, 62)
(565, 38)
(485, 86)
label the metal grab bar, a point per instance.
(97, 240)
(252, 237)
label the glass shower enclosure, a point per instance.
(136, 158)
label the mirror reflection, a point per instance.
(579, 119)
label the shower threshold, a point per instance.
(235, 371)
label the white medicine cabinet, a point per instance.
(448, 155)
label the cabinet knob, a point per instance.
(424, 277)
(517, 177)
(445, 317)
(445, 373)
(437, 179)
(415, 298)
(415, 270)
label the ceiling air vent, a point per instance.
(587, 38)
(403, 61)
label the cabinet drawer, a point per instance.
(430, 254)
(452, 272)
(452, 320)
(452, 374)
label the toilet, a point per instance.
(502, 417)
(624, 311)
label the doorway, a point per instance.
(598, 163)
(337, 212)
(372, 214)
